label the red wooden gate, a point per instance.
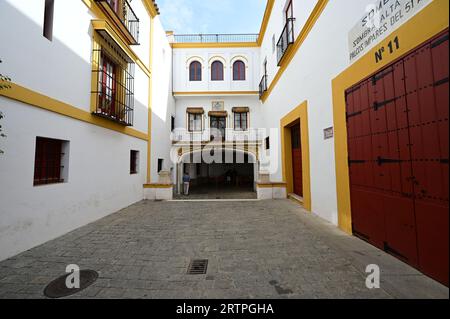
(297, 160)
(397, 123)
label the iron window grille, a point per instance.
(48, 161)
(287, 38)
(124, 12)
(263, 86)
(114, 94)
(215, 38)
(240, 121)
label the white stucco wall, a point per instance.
(163, 103)
(183, 57)
(62, 68)
(277, 21)
(99, 180)
(323, 55)
(205, 102)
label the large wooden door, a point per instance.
(397, 123)
(297, 160)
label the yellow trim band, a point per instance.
(217, 93)
(299, 114)
(426, 24)
(265, 22)
(152, 10)
(271, 185)
(27, 96)
(214, 45)
(157, 186)
(102, 23)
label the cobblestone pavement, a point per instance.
(260, 249)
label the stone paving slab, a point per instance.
(258, 249)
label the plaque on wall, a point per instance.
(218, 106)
(328, 133)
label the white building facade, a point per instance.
(81, 81)
(300, 110)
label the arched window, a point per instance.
(217, 71)
(195, 71)
(239, 71)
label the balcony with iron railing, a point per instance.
(215, 38)
(263, 86)
(182, 135)
(123, 16)
(113, 96)
(287, 38)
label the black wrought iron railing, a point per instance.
(114, 93)
(286, 39)
(263, 86)
(215, 38)
(126, 15)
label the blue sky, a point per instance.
(211, 16)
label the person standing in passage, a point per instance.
(186, 182)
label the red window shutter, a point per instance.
(239, 71)
(217, 71)
(195, 71)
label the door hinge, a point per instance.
(382, 161)
(350, 162)
(379, 105)
(353, 114)
(440, 82)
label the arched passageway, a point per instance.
(218, 173)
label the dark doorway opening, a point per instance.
(297, 168)
(232, 178)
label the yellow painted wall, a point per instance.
(32, 98)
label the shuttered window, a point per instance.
(217, 71)
(239, 71)
(195, 71)
(47, 163)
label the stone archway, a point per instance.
(219, 172)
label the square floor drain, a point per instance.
(198, 267)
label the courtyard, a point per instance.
(255, 249)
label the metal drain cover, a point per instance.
(198, 267)
(58, 289)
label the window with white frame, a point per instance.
(195, 122)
